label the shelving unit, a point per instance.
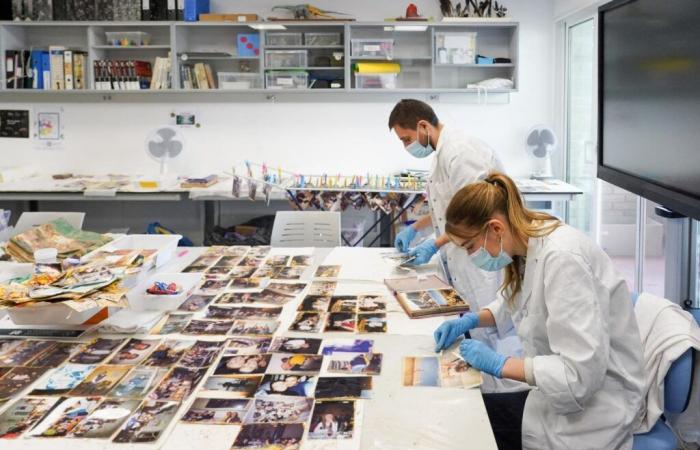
(215, 44)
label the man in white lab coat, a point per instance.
(458, 160)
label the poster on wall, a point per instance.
(49, 129)
(14, 123)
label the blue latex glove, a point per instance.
(404, 238)
(447, 333)
(481, 357)
(423, 252)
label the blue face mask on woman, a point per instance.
(484, 261)
(419, 150)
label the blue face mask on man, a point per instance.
(419, 150)
(484, 261)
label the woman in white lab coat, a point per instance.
(573, 314)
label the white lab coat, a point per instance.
(574, 317)
(461, 160)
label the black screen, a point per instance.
(650, 97)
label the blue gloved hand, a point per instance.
(450, 331)
(481, 357)
(404, 238)
(423, 252)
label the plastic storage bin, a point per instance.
(283, 39)
(234, 80)
(322, 39)
(375, 80)
(165, 245)
(140, 300)
(284, 59)
(287, 80)
(373, 48)
(128, 38)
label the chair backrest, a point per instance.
(30, 220)
(306, 229)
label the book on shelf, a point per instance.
(58, 76)
(127, 10)
(57, 68)
(426, 296)
(68, 69)
(104, 9)
(161, 73)
(197, 76)
(117, 75)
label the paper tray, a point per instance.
(53, 314)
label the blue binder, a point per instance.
(193, 8)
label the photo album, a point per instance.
(426, 297)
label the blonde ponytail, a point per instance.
(473, 206)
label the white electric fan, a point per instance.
(541, 143)
(164, 144)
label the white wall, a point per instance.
(563, 8)
(345, 137)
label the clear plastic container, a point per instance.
(287, 80)
(375, 80)
(128, 38)
(140, 300)
(286, 59)
(235, 80)
(373, 48)
(283, 39)
(322, 39)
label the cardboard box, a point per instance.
(229, 17)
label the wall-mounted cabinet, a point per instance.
(349, 58)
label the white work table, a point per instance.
(396, 417)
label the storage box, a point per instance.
(140, 300)
(165, 245)
(286, 59)
(286, 80)
(55, 314)
(373, 48)
(455, 48)
(248, 44)
(228, 17)
(375, 80)
(193, 9)
(128, 38)
(283, 39)
(234, 80)
(322, 39)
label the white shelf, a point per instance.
(475, 66)
(132, 48)
(304, 47)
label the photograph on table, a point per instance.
(178, 384)
(135, 351)
(251, 261)
(343, 388)
(172, 324)
(308, 322)
(23, 414)
(213, 286)
(306, 346)
(278, 260)
(217, 272)
(295, 363)
(63, 379)
(271, 297)
(371, 323)
(242, 272)
(289, 385)
(235, 298)
(323, 288)
(139, 382)
(168, 353)
(18, 379)
(243, 312)
(7, 344)
(100, 381)
(228, 261)
(314, 303)
(247, 284)
(65, 416)
(279, 410)
(24, 352)
(331, 346)
(96, 351)
(333, 420)
(4, 370)
(269, 436)
(201, 354)
(327, 272)
(371, 303)
(302, 260)
(148, 423)
(421, 371)
(259, 251)
(341, 322)
(216, 411)
(205, 260)
(106, 419)
(208, 327)
(231, 386)
(455, 372)
(195, 303)
(356, 363)
(430, 296)
(343, 303)
(195, 269)
(254, 327)
(267, 271)
(243, 365)
(292, 289)
(290, 273)
(247, 345)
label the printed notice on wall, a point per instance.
(14, 123)
(48, 133)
